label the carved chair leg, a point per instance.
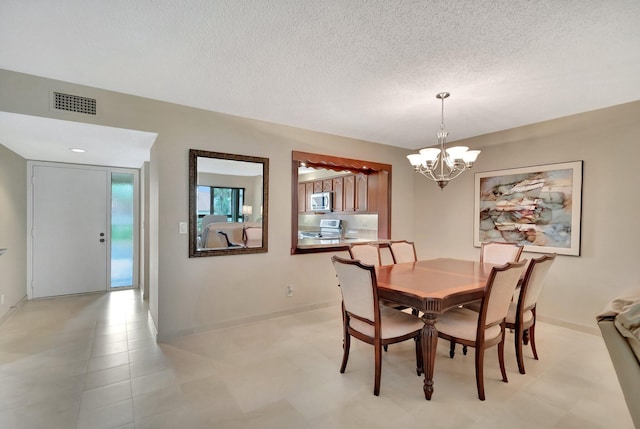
(501, 360)
(480, 372)
(518, 342)
(532, 335)
(378, 369)
(345, 355)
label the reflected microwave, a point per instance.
(321, 202)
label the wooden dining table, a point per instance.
(432, 286)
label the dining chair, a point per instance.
(365, 319)
(368, 253)
(521, 316)
(487, 328)
(498, 253)
(494, 252)
(252, 235)
(403, 251)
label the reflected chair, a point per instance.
(252, 236)
(365, 319)
(403, 251)
(214, 240)
(486, 328)
(367, 253)
(521, 316)
(498, 253)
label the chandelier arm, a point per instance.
(457, 171)
(427, 173)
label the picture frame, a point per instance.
(538, 207)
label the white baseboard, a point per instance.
(570, 325)
(244, 321)
(12, 309)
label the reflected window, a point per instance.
(213, 200)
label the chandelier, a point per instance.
(442, 165)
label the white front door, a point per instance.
(69, 230)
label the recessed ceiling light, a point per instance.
(77, 150)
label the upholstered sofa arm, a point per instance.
(626, 365)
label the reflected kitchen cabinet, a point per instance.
(309, 189)
(349, 193)
(360, 190)
(302, 198)
(361, 193)
(355, 192)
(338, 197)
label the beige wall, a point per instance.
(188, 295)
(205, 292)
(608, 141)
(13, 228)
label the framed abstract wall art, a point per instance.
(537, 207)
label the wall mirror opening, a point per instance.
(338, 201)
(228, 203)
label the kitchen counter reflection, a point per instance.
(314, 243)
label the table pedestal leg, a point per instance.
(429, 345)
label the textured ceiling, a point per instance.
(360, 68)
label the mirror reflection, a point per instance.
(227, 203)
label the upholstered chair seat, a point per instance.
(462, 323)
(527, 316)
(394, 323)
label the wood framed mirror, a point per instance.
(228, 204)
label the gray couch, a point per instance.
(620, 325)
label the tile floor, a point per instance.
(92, 362)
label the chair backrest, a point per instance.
(501, 284)
(403, 251)
(494, 252)
(213, 240)
(204, 230)
(358, 287)
(367, 253)
(534, 280)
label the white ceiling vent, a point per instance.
(74, 103)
